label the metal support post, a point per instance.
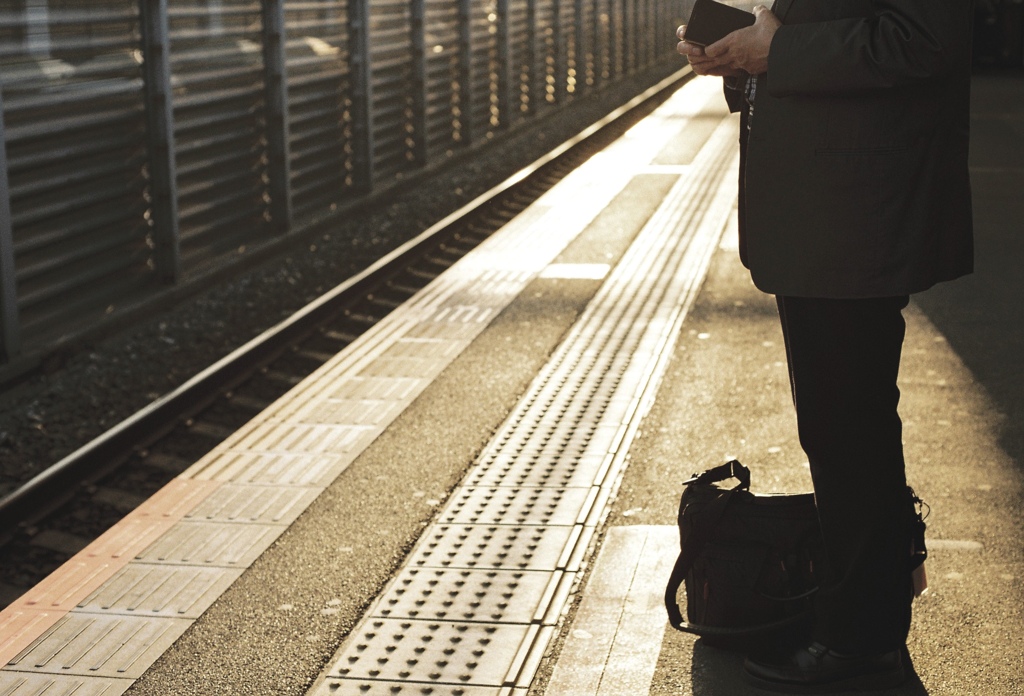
(646, 29)
(362, 95)
(561, 50)
(629, 37)
(506, 97)
(650, 27)
(640, 24)
(156, 65)
(613, 38)
(466, 71)
(534, 81)
(276, 88)
(419, 82)
(10, 329)
(581, 47)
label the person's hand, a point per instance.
(699, 61)
(744, 51)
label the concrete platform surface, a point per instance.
(497, 453)
(726, 394)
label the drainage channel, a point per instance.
(475, 607)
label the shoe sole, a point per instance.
(863, 682)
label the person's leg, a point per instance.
(844, 359)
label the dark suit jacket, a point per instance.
(854, 177)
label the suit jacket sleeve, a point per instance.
(889, 43)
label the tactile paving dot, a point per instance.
(472, 546)
(427, 651)
(517, 470)
(466, 595)
(516, 506)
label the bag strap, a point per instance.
(723, 472)
(702, 533)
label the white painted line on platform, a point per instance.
(613, 646)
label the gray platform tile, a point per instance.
(275, 469)
(470, 314)
(553, 448)
(433, 348)
(361, 412)
(600, 406)
(525, 470)
(100, 645)
(445, 330)
(559, 429)
(142, 589)
(431, 652)
(375, 388)
(497, 596)
(420, 367)
(604, 440)
(509, 505)
(484, 301)
(26, 684)
(481, 546)
(257, 504)
(220, 544)
(361, 687)
(290, 437)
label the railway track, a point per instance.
(57, 513)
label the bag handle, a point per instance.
(738, 632)
(723, 472)
(702, 533)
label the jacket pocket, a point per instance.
(869, 125)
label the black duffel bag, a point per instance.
(749, 562)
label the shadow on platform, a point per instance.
(717, 672)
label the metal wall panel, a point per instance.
(75, 137)
(220, 145)
(566, 30)
(521, 59)
(443, 76)
(148, 140)
(603, 66)
(319, 85)
(484, 83)
(392, 105)
(546, 55)
(586, 45)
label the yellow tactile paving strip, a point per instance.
(434, 631)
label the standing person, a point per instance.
(854, 193)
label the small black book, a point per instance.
(710, 21)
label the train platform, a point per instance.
(477, 497)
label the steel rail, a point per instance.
(136, 432)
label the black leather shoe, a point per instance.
(814, 669)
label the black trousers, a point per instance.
(844, 357)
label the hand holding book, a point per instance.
(710, 21)
(744, 44)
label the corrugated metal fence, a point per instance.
(141, 140)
